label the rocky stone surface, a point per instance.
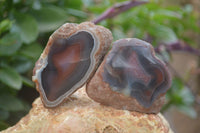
(131, 77)
(80, 114)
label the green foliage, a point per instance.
(45, 21)
(180, 96)
(25, 25)
(10, 103)
(5, 25)
(9, 44)
(165, 24)
(10, 78)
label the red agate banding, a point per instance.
(131, 77)
(70, 58)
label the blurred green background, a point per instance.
(25, 26)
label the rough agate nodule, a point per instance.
(70, 58)
(131, 77)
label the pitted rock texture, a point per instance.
(80, 114)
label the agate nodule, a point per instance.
(70, 58)
(131, 77)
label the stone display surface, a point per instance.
(80, 114)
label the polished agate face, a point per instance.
(68, 63)
(70, 58)
(132, 69)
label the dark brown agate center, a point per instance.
(68, 62)
(131, 68)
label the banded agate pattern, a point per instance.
(131, 68)
(69, 60)
(68, 63)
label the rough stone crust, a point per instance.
(102, 35)
(80, 114)
(101, 92)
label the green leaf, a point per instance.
(88, 3)
(76, 4)
(31, 51)
(10, 103)
(27, 82)
(188, 110)
(179, 94)
(21, 64)
(5, 25)
(177, 84)
(163, 34)
(11, 78)
(118, 33)
(36, 4)
(164, 55)
(163, 15)
(77, 13)
(4, 114)
(50, 17)
(97, 9)
(3, 125)
(9, 44)
(26, 26)
(188, 8)
(188, 98)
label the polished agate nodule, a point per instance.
(70, 58)
(131, 77)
